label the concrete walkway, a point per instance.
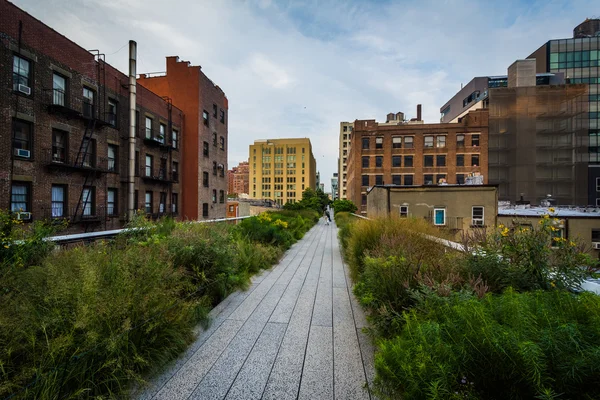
(294, 334)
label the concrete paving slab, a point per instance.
(317, 374)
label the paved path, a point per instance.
(294, 334)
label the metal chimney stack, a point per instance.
(418, 112)
(132, 127)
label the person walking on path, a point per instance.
(326, 217)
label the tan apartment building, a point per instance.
(280, 169)
(238, 179)
(346, 129)
(457, 208)
(414, 154)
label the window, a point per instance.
(58, 201)
(365, 162)
(222, 143)
(428, 141)
(428, 179)
(148, 203)
(597, 184)
(148, 171)
(20, 197)
(88, 102)
(215, 139)
(215, 110)
(365, 143)
(174, 202)
(460, 140)
(88, 200)
(379, 179)
(174, 138)
(162, 202)
(408, 161)
(59, 146)
(363, 200)
(205, 149)
(112, 157)
(111, 202)
(21, 72)
(59, 88)
(148, 128)
(222, 119)
(162, 172)
(221, 196)
(137, 163)
(379, 161)
(162, 133)
(440, 160)
(596, 235)
(205, 210)
(379, 143)
(345, 129)
(439, 216)
(22, 138)
(112, 112)
(460, 160)
(408, 142)
(408, 180)
(440, 141)
(214, 168)
(396, 161)
(428, 161)
(205, 117)
(396, 142)
(475, 140)
(221, 170)
(440, 178)
(403, 211)
(365, 180)
(474, 160)
(175, 172)
(460, 179)
(89, 153)
(477, 219)
(205, 179)
(397, 179)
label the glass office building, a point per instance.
(579, 59)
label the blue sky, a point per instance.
(296, 68)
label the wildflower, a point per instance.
(6, 247)
(552, 210)
(505, 232)
(572, 244)
(552, 284)
(554, 229)
(546, 216)
(556, 239)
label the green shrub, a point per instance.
(344, 206)
(514, 345)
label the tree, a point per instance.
(344, 205)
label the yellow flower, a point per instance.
(552, 284)
(541, 221)
(5, 246)
(501, 226)
(551, 210)
(546, 216)
(554, 229)
(572, 244)
(556, 239)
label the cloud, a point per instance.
(296, 68)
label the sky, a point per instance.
(297, 68)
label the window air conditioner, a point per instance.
(25, 89)
(22, 153)
(24, 216)
(596, 245)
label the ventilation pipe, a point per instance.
(132, 127)
(418, 112)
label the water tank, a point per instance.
(588, 28)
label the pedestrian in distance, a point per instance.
(326, 217)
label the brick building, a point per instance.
(405, 153)
(204, 145)
(64, 128)
(238, 179)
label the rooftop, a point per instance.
(538, 211)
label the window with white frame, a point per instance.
(597, 184)
(162, 133)
(88, 201)
(174, 136)
(59, 88)
(428, 141)
(439, 216)
(21, 72)
(148, 202)
(477, 216)
(403, 211)
(19, 197)
(111, 201)
(148, 128)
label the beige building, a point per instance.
(459, 208)
(280, 169)
(573, 223)
(346, 129)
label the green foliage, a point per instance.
(344, 206)
(515, 345)
(312, 199)
(90, 321)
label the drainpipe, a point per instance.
(132, 127)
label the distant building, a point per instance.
(344, 148)
(334, 187)
(574, 222)
(318, 180)
(238, 179)
(204, 146)
(457, 208)
(280, 169)
(578, 58)
(413, 153)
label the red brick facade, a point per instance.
(205, 138)
(42, 132)
(405, 158)
(239, 179)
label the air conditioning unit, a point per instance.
(22, 153)
(25, 89)
(596, 245)
(24, 216)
